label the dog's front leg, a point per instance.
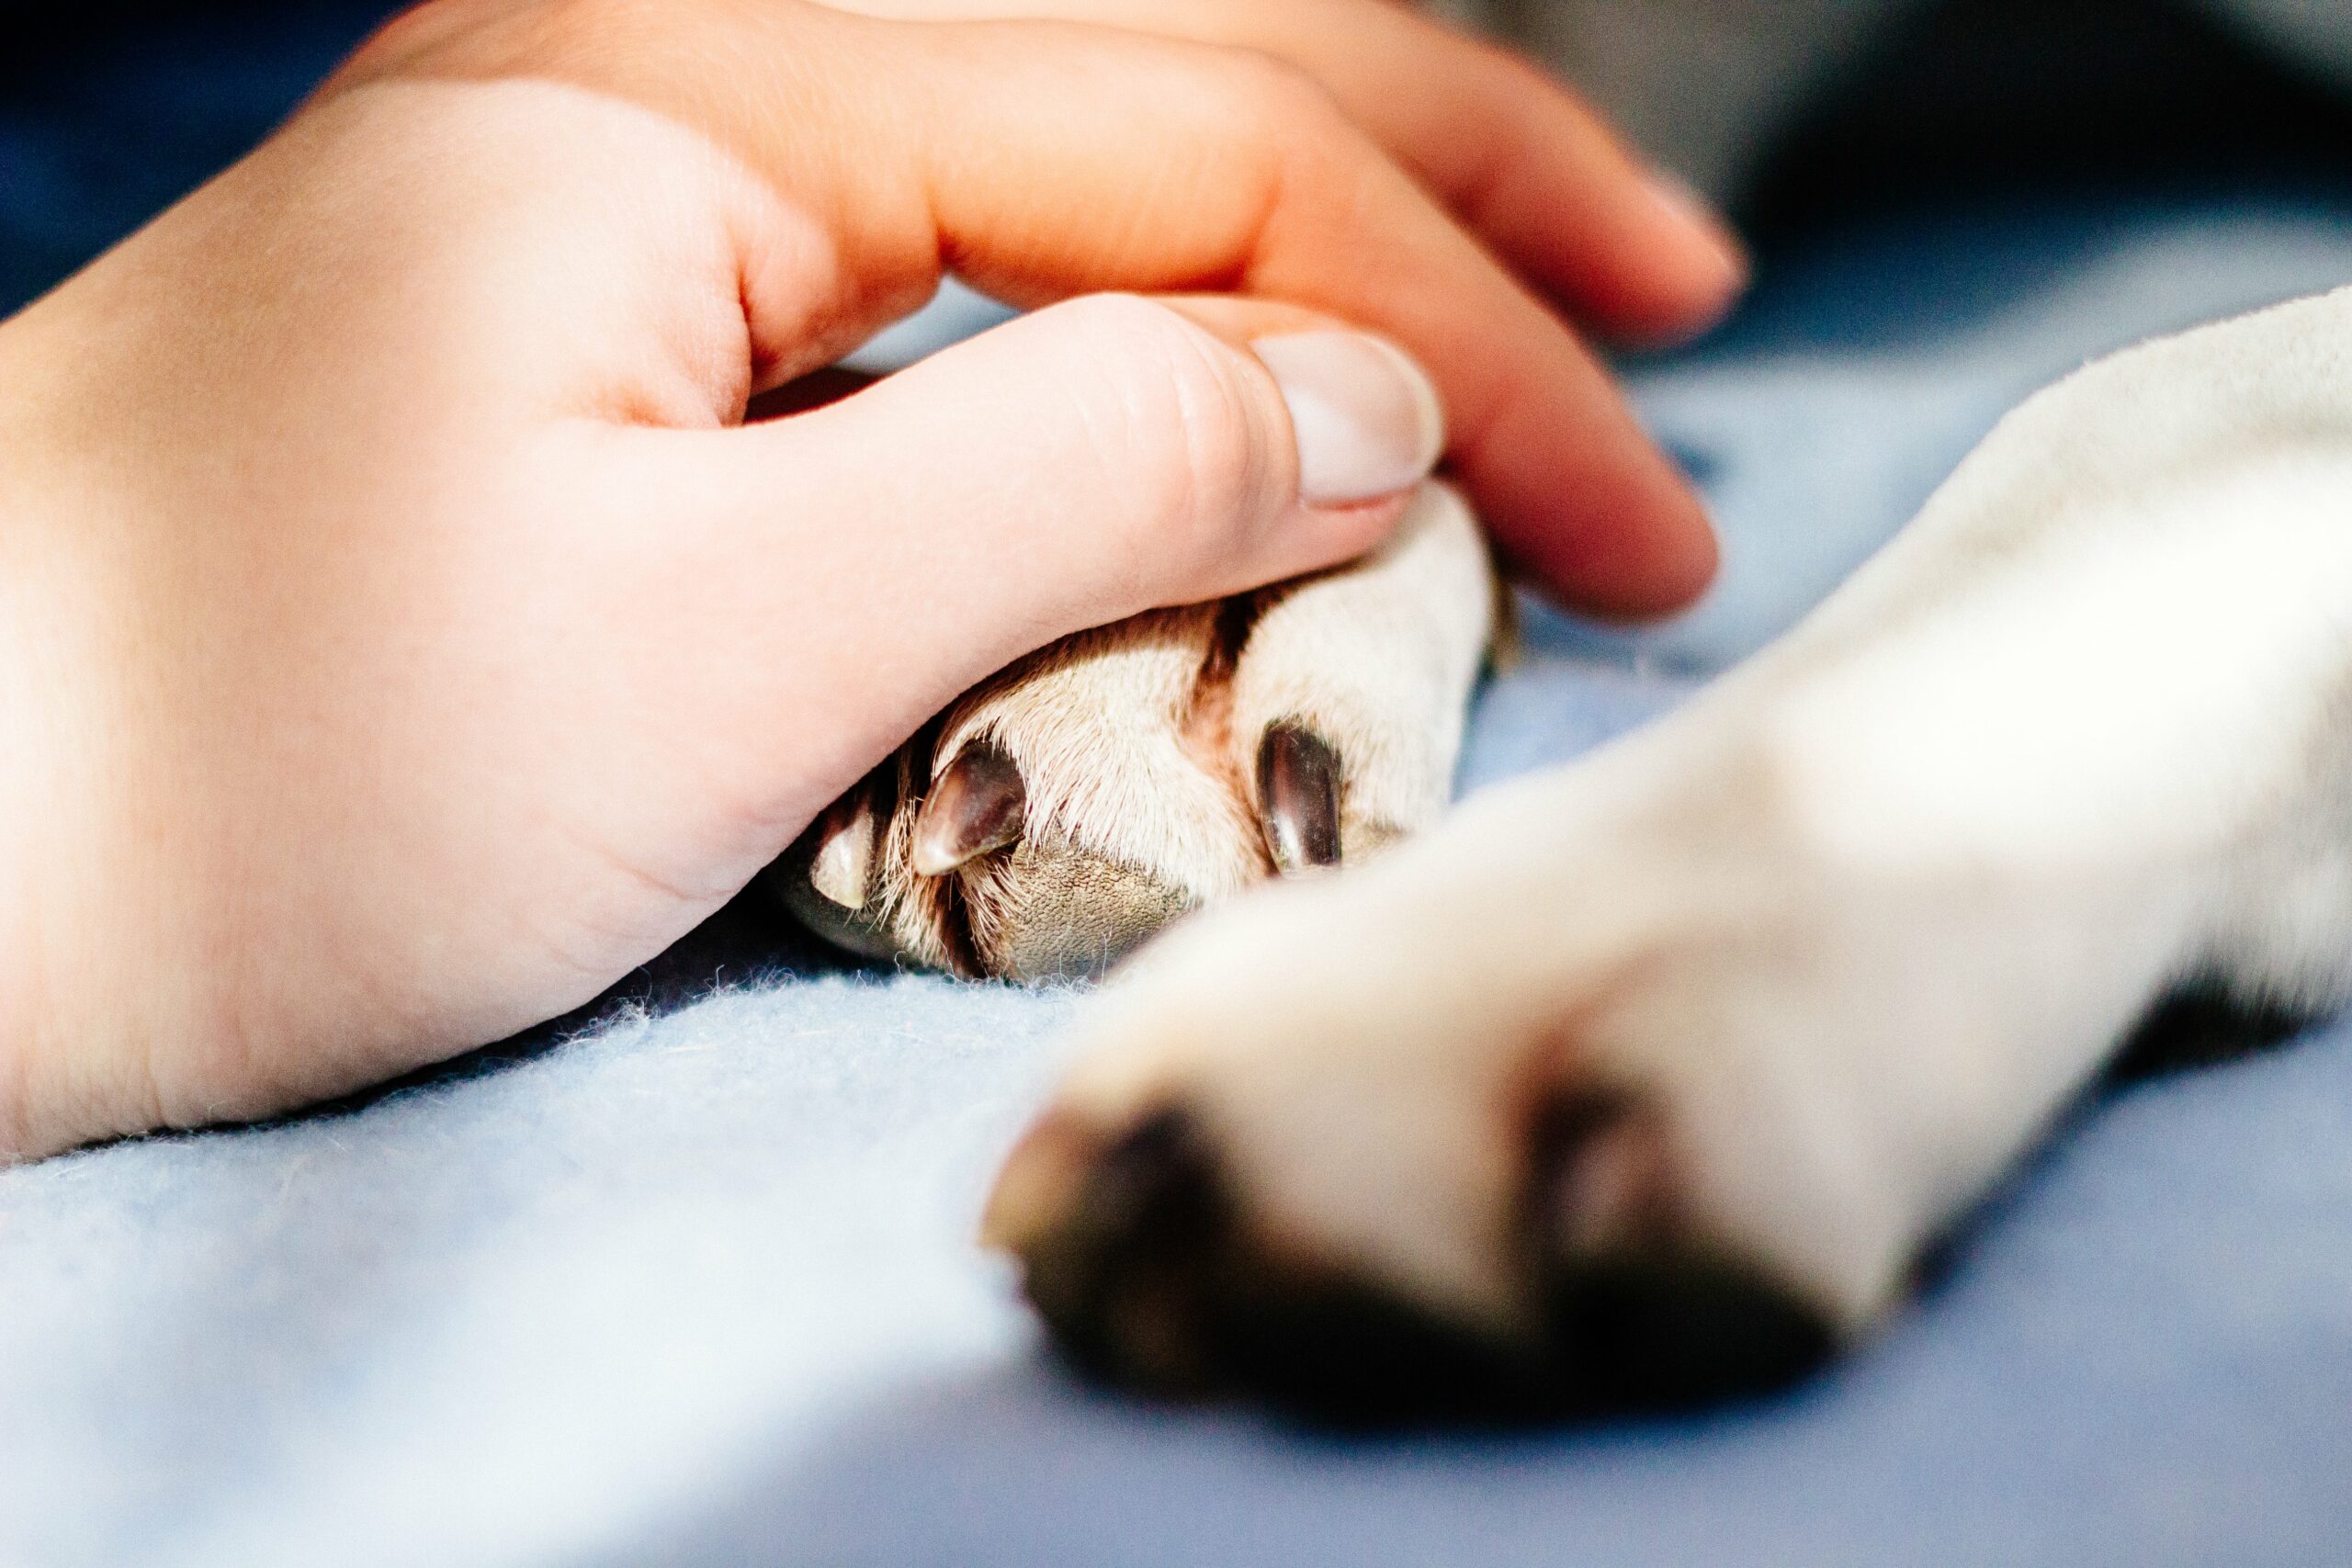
(1647, 1078)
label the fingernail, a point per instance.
(1366, 416)
(1696, 216)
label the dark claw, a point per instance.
(840, 863)
(977, 805)
(826, 879)
(1298, 797)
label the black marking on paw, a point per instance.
(1151, 1284)
(1678, 1326)
(1338, 1351)
(1154, 1282)
(2199, 1023)
(1644, 1310)
(1119, 1279)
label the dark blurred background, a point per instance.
(1982, 101)
(111, 110)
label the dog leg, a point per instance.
(1646, 1080)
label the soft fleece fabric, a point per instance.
(696, 1285)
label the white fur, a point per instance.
(1135, 753)
(1863, 916)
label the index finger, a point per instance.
(1202, 172)
(1512, 152)
(1040, 160)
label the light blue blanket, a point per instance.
(698, 1286)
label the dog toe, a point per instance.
(1069, 808)
(1154, 1269)
(1644, 1310)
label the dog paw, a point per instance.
(1605, 1096)
(1157, 1267)
(1649, 1079)
(1082, 799)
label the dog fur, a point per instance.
(1656, 1077)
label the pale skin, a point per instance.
(400, 640)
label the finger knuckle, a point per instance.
(1190, 424)
(1269, 96)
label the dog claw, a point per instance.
(1298, 797)
(842, 869)
(827, 879)
(977, 805)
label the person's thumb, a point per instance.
(1096, 459)
(1110, 455)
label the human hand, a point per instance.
(1518, 158)
(398, 644)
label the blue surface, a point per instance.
(697, 1287)
(111, 108)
